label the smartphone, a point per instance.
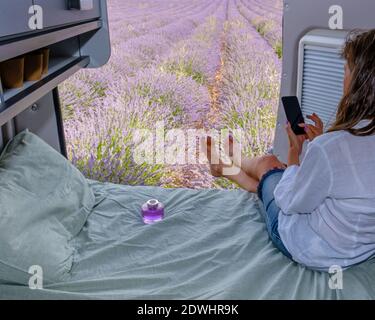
(294, 114)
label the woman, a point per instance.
(321, 212)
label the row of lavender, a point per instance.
(157, 74)
(250, 90)
(265, 16)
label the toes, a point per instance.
(216, 171)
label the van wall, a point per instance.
(300, 17)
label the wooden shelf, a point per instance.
(17, 100)
(54, 65)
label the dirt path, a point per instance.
(196, 176)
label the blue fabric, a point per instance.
(212, 244)
(266, 189)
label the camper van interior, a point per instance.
(68, 231)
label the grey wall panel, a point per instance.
(8, 131)
(41, 120)
(1, 141)
(300, 17)
(14, 17)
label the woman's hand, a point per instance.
(313, 131)
(295, 145)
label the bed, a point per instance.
(212, 244)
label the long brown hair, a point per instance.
(358, 103)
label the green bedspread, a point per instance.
(212, 245)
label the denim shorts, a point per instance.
(266, 190)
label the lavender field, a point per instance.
(194, 64)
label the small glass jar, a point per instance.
(152, 211)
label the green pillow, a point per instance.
(44, 203)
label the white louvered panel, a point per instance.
(322, 82)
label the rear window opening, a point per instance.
(190, 67)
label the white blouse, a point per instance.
(327, 204)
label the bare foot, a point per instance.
(233, 151)
(241, 178)
(208, 148)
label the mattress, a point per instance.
(212, 244)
